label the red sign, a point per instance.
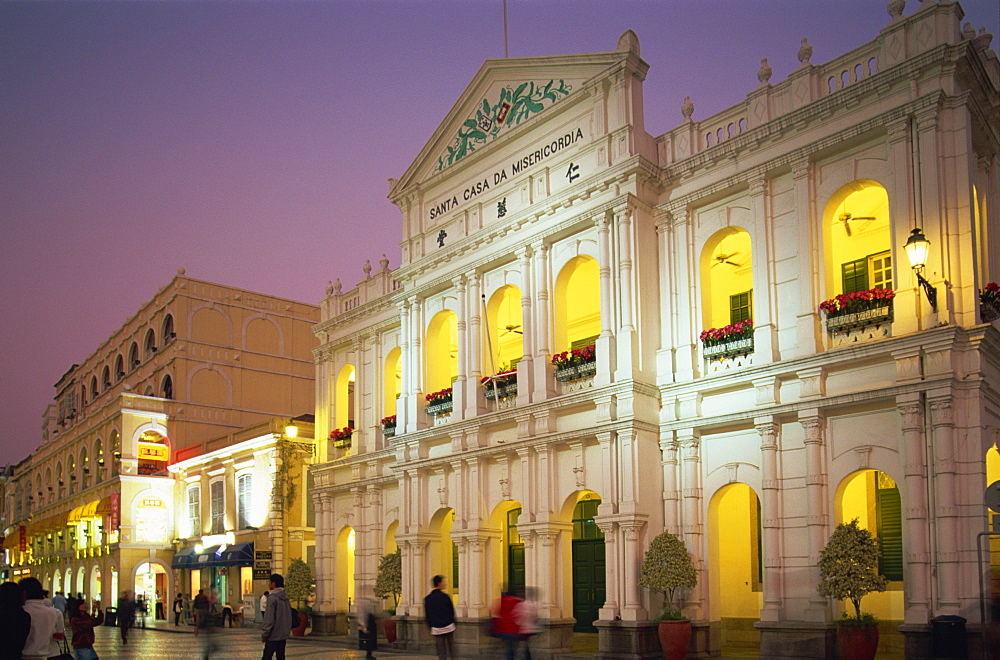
(23, 544)
(115, 514)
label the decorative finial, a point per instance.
(687, 108)
(968, 32)
(329, 288)
(764, 74)
(628, 42)
(180, 271)
(384, 263)
(805, 51)
(895, 8)
(337, 286)
(983, 40)
(368, 269)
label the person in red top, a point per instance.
(505, 623)
(83, 631)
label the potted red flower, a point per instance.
(439, 403)
(857, 309)
(575, 363)
(989, 302)
(502, 385)
(729, 341)
(342, 437)
(388, 426)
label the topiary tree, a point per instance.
(389, 578)
(666, 567)
(299, 581)
(848, 566)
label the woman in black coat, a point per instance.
(16, 622)
(367, 628)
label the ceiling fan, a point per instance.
(512, 328)
(847, 217)
(726, 259)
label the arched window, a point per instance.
(71, 473)
(393, 380)
(83, 395)
(244, 500)
(98, 461)
(505, 325)
(119, 367)
(133, 356)
(167, 388)
(441, 353)
(168, 329)
(577, 304)
(106, 378)
(84, 468)
(857, 224)
(344, 397)
(727, 279)
(93, 388)
(150, 344)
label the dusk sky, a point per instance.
(250, 143)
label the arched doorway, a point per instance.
(588, 562)
(505, 516)
(95, 588)
(151, 586)
(873, 498)
(736, 560)
(344, 587)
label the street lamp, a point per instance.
(917, 248)
(291, 430)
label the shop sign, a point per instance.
(262, 554)
(23, 543)
(261, 573)
(114, 517)
(153, 452)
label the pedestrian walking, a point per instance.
(82, 624)
(126, 615)
(178, 609)
(263, 604)
(200, 611)
(367, 627)
(277, 619)
(440, 614)
(526, 614)
(16, 622)
(59, 602)
(47, 627)
(505, 623)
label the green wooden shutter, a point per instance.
(855, 275)
(890, 532)
(454, 565)
(741, 306)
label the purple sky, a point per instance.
(251, 143)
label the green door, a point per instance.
(589, 588)
(515, 555)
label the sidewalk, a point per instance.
(346, 642)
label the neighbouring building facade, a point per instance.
(94, 508)
(597, 334)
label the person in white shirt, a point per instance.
(263, 604)
(47, 626)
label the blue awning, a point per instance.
(208, 557)
(238, 554)
(184, 559)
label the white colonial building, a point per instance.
(541, 217)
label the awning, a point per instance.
(208, 557)
(104, 507)
(184, 559)
(238, 554)
(83, 512)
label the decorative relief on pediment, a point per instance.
(510, 108)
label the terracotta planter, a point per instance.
(300, 630)
(389, 626)
(675, 637)
(857, 642)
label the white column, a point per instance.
(544, 385)
(693, 537)
(606, 340)
(771, 510)
(914, 497)
(625, 339)
(816, 517)
(808, 333)
(764, 276)
(946, 506)
(633, 610)
(465, 391)
(671, 485)
(612, 571)
(525, 372)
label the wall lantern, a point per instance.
(292, 431)
(917, 248)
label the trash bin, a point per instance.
(110, 616)
(949, 637)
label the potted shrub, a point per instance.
(666, 568)
(389, 582)
(848, 568)
(298, 584)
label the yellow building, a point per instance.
(92, 509)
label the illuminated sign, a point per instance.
(153, 452)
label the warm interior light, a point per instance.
(292, 431)
(917, 247)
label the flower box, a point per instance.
(727, 349)
(342, 443)
(989, 302)
(502, 385)
(848, 320)
(388, 431)
(575, 364)
(439, 407)
(341, 438)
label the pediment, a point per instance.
(503, 96)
